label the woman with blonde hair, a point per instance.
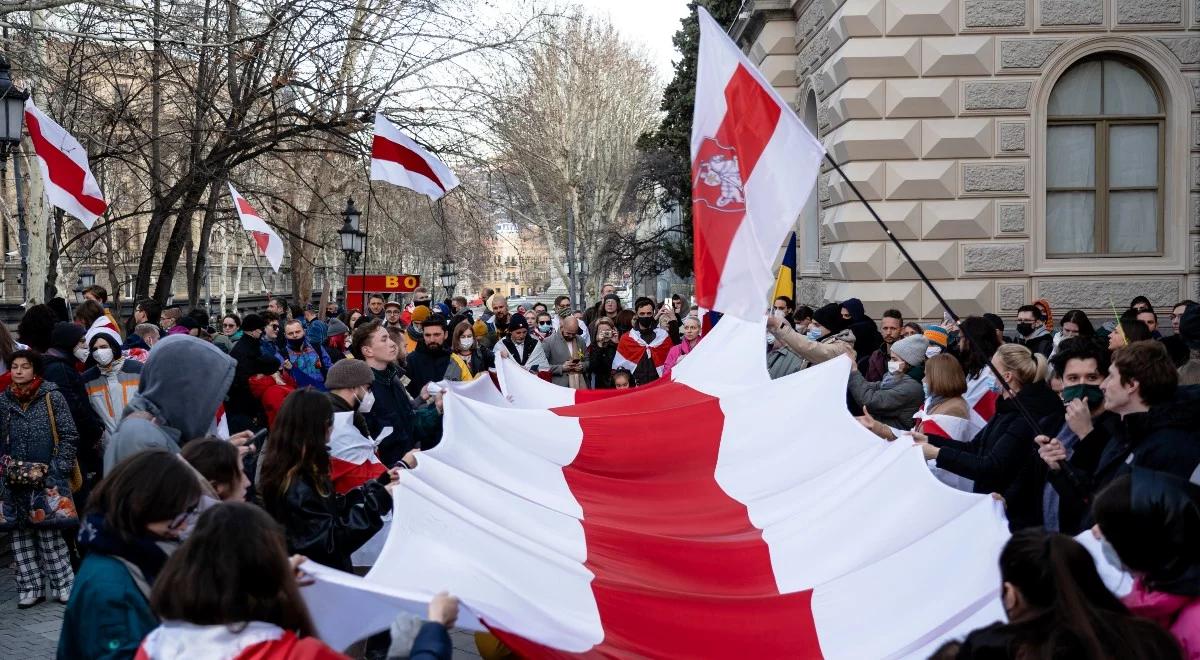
(998, 455)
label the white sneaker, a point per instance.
(64, 596)
(29, 601)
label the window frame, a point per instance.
(1101, 126)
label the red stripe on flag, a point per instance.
(262, 239)
(64, 172)
(679, 569)
(751, 115)
(245, 209)
(384, 149)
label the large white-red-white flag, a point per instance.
(265, 238)
(753, 166)
(398, 160)
(68, 180)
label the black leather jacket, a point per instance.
(329, 528)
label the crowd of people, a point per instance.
(168, 477)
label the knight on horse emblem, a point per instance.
(718, 180)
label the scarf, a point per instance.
(144, 553)
(25, 394)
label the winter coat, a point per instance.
(782, 361)
(1180, 615)
(271, 393)
(998, 455)
(677, 352)
(558, 352)
(423, 367)
(110, 388)
(814, 352)
(327, 527)
(29, 438)
(248, 640)
(600, 359)
(477, 364)
(248, 353)
(894, 404)
(1041, 341)
(309, 364)
(107, 616)
(182, 386)
(61, 371)
(531, 356)
(394, 407)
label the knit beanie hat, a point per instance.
(517, 322)
(911, 349)
(480, 329)
(936, 334)
(420, 313)
(252, 322)
(336, 327)
(102, 331)
(347, 374)
(66, 335)
(830, 318)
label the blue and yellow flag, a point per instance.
(785, 284)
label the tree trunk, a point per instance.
(206, 227)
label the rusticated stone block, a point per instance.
(1139, 12)
(994, 258)
(1194, 209)
(980, 177)
(1103, 294)
(1012, 296)
(1026, 53)
(1187, 49)
(812, 291)
(1012, 137)
(1072, 12)
(995, 13)
(986, 95)
(1195, 173)
(1012, 218)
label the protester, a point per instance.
(182, 386)
(145, 311)
(270, 391)
(40, 442)
(601, 353)
(1031, 330)
(308, 361)
(564, 351)
(889, 330)
(111, 379)
(828, 336)
(911, 328)
(170, 317)
(393, 407)
(999, 453)
(939, 340)
(894, 400)
(518, 345)
(64, 363)
(1151, 520)
(1081, 363)
(139, 342)
(391, 315)
(468, 359)
(1126, 332)
(1058, 607)
(231, 331)
(135, 519)
(220, 463)
(944, 411)
(429, 362)
(87, 313)
(349, 384)
(643, 350)
(543, 326)
(602, 307)
(622, 379)
(244, 407)
(690, 336)
(8, 346)
(867, 338)
(297, 491)
(335, 344)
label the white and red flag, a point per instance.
(69, 182)
(632, 348)
(400, 161)
(753, 166)
(265, 238)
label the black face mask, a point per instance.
(645, 322)
(1025, 329)
(296, 344)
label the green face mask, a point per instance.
(1091, 393)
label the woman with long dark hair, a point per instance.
(1058, 607)
(297, 490)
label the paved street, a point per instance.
(32, 634)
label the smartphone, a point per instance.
(667, 303)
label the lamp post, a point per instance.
(449, 276)
(352, 241)
(12, 115)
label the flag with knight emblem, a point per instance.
(753, 167)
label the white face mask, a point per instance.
(895, 366)
(932, 351)
(466, 342)
(82, 353)
(366, 402)
(103, 356)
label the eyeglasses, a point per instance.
(182, 518)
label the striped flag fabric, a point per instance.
(631, 348)
(785, 282)
(753, 167)
(265, 238)
(398, 160)
(69, 182)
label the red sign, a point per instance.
(358, 284)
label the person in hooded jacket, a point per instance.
(64, 363)
(998, 455)
(335, 343)
(244, 407)
(867, 338)
(895, 399)
(182, 386)
(111, 380)
(1031, 330)
(828, 335)
(1152, 522)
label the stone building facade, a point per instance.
(944, 113)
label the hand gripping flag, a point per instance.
(753, 166)
(69, 182)
(265, 238)
(395, 158)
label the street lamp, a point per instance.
(449, 276)
(12, 114)
(353, 241)
(86, 279)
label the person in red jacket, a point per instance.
(271, 390)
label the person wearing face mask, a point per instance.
(1081, 363)
(1151, 520)
(828, 335)
(644, 349)
(468, 359)
(111, 380)
(352, 453)
(1032, 332)
(1058, 607)
(135, 519)
(894, 400)
(64, 361)
(543, 326)
(309, 361)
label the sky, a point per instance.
(649, 23)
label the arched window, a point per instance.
(1104, 164)
(810, 216)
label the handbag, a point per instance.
(24, 474)
(51, 506)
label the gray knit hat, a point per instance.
(911, 349)
(349, 373)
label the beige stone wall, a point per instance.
(936, 108)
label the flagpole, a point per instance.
(366, 247)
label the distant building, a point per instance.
(1021, 149)
(519, 266)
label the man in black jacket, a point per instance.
(1031, 330)
(392, 406)
(429, 362)
(243, 410)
